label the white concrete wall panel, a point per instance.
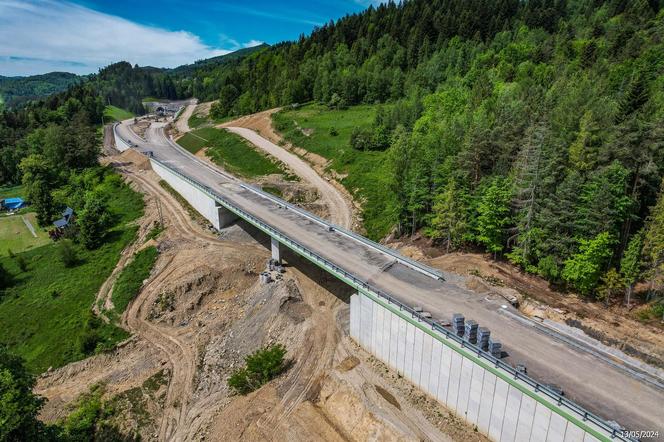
(444, 375)
(455, 379)
(590, 438)
(434, 376)
(540, 423)
(573, 433)
(402, 347)
(526, 418)
(486, 403)
(119, 143)
(378, 333)
(366, 315)
(373, 346)
(355, 317)
(557, 427)
(394, 339)
(498, 409)
(475, 394)
(417, 356)
(387, 324)
(409, 348)
(427, 345)
(203, 204)
(511, 418)
(464, 387)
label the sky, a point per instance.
(80, 36)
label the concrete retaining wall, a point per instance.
(218, 216)
(502, 408)
(120, 143)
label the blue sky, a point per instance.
(80, 36)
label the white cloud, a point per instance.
(38, 36)
(252, 43)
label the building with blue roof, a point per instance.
(12, 203)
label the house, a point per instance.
(62, 224)
(12, 204)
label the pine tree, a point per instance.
(653, 241)
(630, 265)
(93, 220)
(449, 220)
(39, 180)
(526, 189)
(493, 215)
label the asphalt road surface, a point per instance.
(605, 389)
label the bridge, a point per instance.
(504, 403)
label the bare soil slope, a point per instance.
(202, 310)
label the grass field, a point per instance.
(366, 172)
(192, 142)
(117, 114)
(45, 312)
(131, 279)
(196, 120)
(12, 191)
(231, 151)
(15, 235)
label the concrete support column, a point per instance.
(226, 217)
(276, 250)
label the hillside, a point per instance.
(532, 132)
(15, 91)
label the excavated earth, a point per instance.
(202, 310)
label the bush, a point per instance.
(5, 277)
(131, 279)
(21, 263)
(261, 367)
(67, 253)
(333, 131)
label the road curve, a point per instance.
(341, 213)
(603, 388)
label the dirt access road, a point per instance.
(257, 129)
(202, 310)
(182, 123)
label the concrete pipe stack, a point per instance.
(471, 331)
(458, 323)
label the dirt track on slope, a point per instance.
(257, 128)
(182, 123)
(220, 313)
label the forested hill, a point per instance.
(533, 129)
(15, 91)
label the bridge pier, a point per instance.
(276, 250)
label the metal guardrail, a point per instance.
(539, 388)
(415, 265)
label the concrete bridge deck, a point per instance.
(604, 388)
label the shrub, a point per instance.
(67, 253)
(21, 263)
(333, 131)
(261, 367)
(5, 277)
